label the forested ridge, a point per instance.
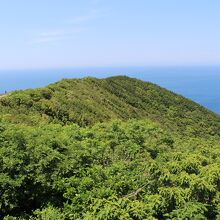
(114, 148)
(89, 100)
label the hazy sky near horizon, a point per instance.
(73, 33)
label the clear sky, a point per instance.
(76, 33)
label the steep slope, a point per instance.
(89, 100)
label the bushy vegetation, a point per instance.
(90, 100)
(117, 170)
(163, 164)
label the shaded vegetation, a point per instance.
(72, 151)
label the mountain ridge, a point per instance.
(115, 148)
(90, 100)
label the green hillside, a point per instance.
(90, 100)
(107, 149)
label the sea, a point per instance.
(198, 83)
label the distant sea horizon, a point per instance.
(198, 83)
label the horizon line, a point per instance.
(109, 67)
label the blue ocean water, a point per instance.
(201, 84)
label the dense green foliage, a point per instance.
(162, 164)
(90, 100)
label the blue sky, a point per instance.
(79, 33)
